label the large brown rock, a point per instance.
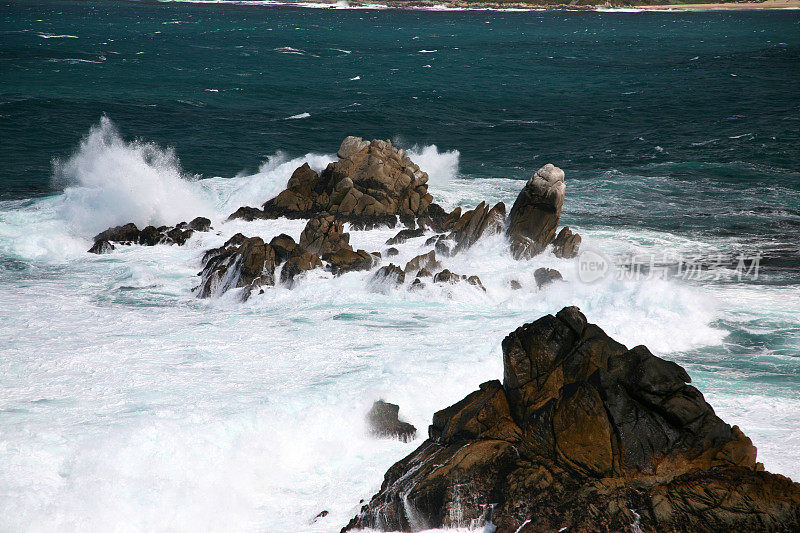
(241, 262)
(371, 183)
(584, 435)
(534, 216)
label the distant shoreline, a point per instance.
(513, 6)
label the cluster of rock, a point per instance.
(372, 183)
(149, 236)
(582, 435)
(423, 266)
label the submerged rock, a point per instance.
(391, 272)
(582, 435)
(298, 264)
(101, 247)
(423, 261)
(125, 234)
(346, 260)
(546, 276)
(404, 235)
(534, 216)
(384, 422)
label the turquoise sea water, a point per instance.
(126, 403)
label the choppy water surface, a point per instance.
(128, 404)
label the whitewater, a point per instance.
(128, 404)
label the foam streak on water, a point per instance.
(128, 404)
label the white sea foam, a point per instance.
(299, 116)
(129, 404)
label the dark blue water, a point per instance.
(591, 91)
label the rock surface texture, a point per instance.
(371, 182)
(587, 435)
(149, 236)
(534, 216)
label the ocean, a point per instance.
(128, 404)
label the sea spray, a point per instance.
(109, 181)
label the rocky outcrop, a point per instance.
(475, 223)
(445, 276)
(346, 260)
(372, 182)
(384, 422)
(241, 262)
(391, 272)
(566, 243)
(582, 435)
(101, 247)
(150, 235)
(534, 216)
(404, 234)
(125, 234)
(299, 263)
(324, 235)
(424, 261)
(546, 276)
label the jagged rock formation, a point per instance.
(240, 262)
(473, 224)
(587, 435)
(566, 243)
(346, 260)
(323, 235)
(404, 234)
(424, 261)
(391, 272)
(371, 183)
(384, 422)
(149, 236)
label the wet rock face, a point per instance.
(566, 243)
(475, 223)
(240, 262)
(583, 434)
(323, 235)
(150, 235)
(534, 216)
(384, 422)
(371, 183)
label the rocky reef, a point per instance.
(149, 236)
(372, 184)
(583, 434)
